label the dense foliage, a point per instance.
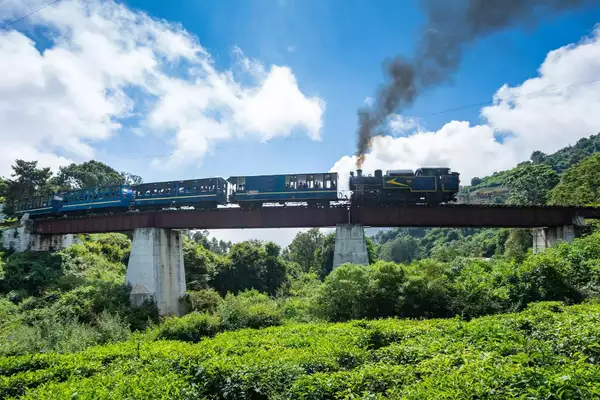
(580, 184)
(531, 181)
(29, 180)
(547, 351)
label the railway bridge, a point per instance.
(156, 267)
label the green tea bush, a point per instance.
(547, 351)
(249, 309)
(189, 328)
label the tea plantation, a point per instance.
(548, 351)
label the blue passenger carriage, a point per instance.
(203, 193)
(112, 198)
(38, 205)
(317, 189)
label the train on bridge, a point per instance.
(429, 186)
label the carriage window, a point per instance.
(301, 184)
(241, 184)
(310, 181)
(318, 181)
(327, 181)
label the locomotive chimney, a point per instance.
(359, 172)
(378, 173)
(351, 173)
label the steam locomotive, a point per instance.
(396, 187)
(425, 185)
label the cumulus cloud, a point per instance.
(402, 125)
(76, 71)
(547, 112)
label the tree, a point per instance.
(303, 247)
(475, 181)
(3, 185)
(251, 266)
(131, 179)
(530, 184)
(89, 174)
(27, 180)
(201, 237)
(538, 157)
(404, 249)
(323, 262)
(517, 244)
(200, 265)
(579, 185)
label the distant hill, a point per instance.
(491, 189)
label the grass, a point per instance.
(547, 351)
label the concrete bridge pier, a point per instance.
(350, 245)
(544, 238)
(23, 238)
(155, 270)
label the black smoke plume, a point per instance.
(451, 24)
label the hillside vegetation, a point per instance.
(538, 175)
(547, 351)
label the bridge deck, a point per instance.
(301, 217)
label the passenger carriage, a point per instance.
(38, 205)
(316, 189)
(203, 193)
(111, 198)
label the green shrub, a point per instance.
(111, 328)
(32, 272)
(189, 328)
(355, 291)
(342, 296)
(8, 311)
(205, 300)
(249, 309)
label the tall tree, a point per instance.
(303, 247)
(251, 266)
(131, 179)
(538, 157)
(530, 184)
(580, 184)
(404, 249)
(2, 189)
(323, 262)
(517, 244)
(27, 180)
(86, 175)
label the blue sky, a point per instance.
(337, 48)
(247, 87)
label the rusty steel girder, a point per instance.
(302, 217)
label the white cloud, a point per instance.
(291, 49)
(401, 125)
(100, 62)
(544, 113)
